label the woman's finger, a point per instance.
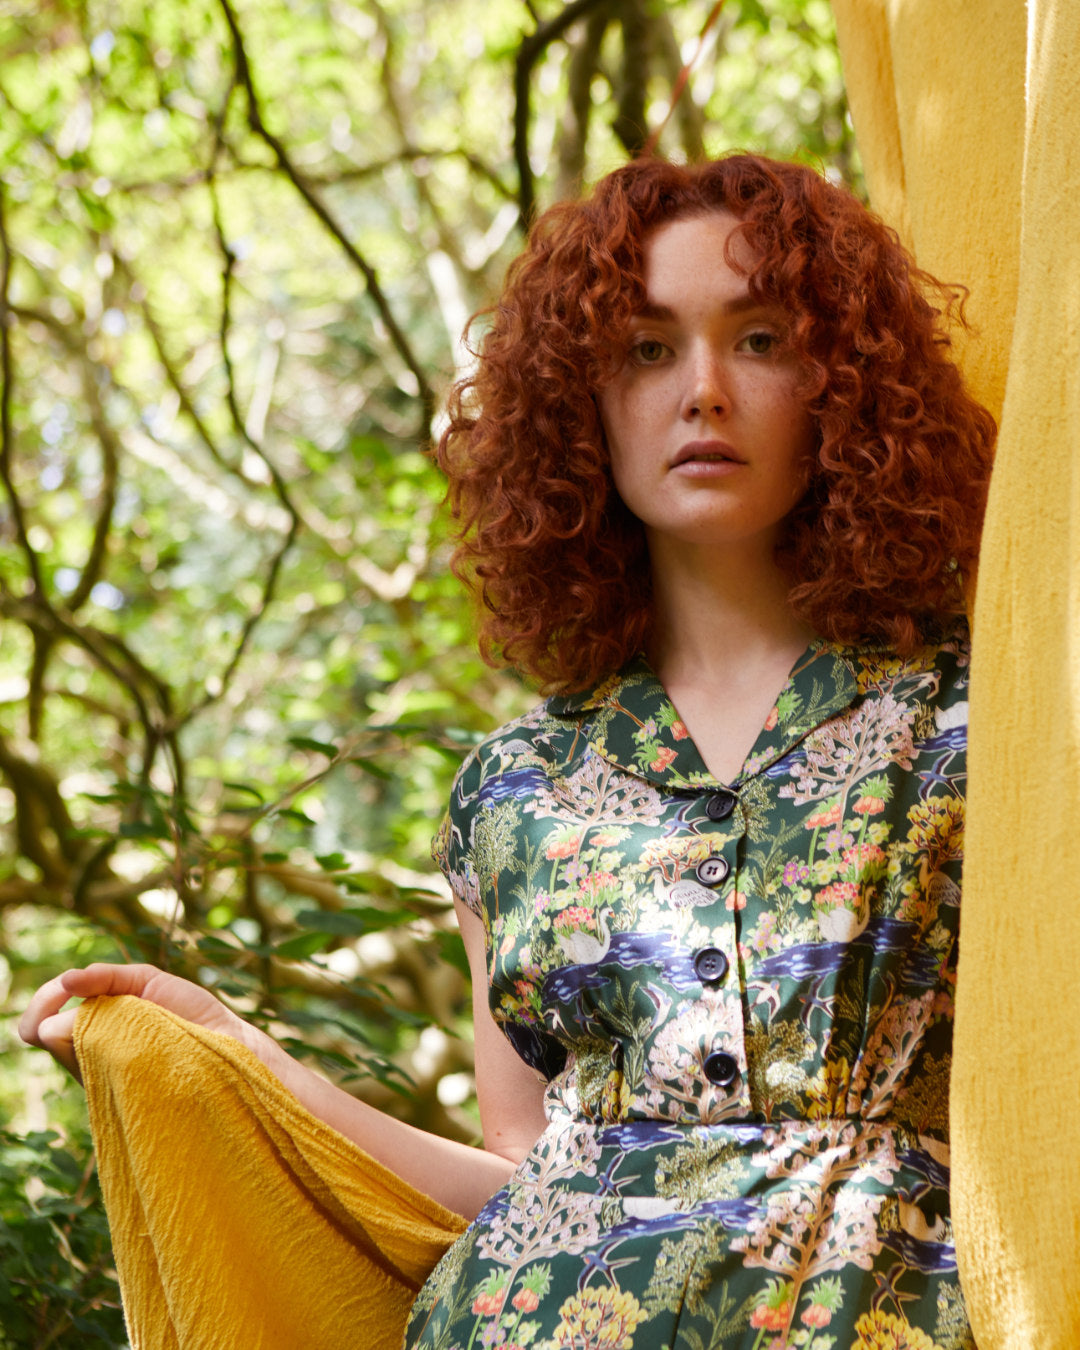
(102, 978)
(56, 1034)
(182, 997)
(45, 1003)
(188, 1000)
(46, 1025)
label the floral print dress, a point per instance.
(741, 996)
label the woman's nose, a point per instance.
(707, 390)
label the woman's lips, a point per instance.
(706, 453)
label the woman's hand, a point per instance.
(457, 1175)
(48, 1024)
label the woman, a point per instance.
(719, 486)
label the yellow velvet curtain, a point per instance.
(967, 113)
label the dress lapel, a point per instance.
(635, 726)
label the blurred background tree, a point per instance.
(238, 246)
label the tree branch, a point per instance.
(7, 372)
(187, 404)
(281, 490)
(629, 124)
(351, 173)
(35, 696)
(533, 45)
(110, 472)
(321, 211)
(682, 79)
(691, 118)
(583, 64)
(39, 807)
(447, 239)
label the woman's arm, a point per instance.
(459, 1177)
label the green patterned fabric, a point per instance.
(742, 998)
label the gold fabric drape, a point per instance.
(239, 1221)
(967, 113)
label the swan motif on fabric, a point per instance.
(581, 948)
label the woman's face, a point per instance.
(708, 438)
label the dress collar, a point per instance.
(634, 725)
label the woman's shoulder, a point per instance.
(548, 733)
(531, 743)
(945, 654)
(505, 769)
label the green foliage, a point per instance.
(238, 245)
(57, 1287)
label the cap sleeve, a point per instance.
(449, 848)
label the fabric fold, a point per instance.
(966, 114)
(238, 1218)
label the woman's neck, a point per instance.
(724, 642)
(718, 617)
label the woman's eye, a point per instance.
(760, 344)
(648, 351)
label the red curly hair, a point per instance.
(878, 547)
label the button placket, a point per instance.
(723, 1054)
(723, 1080)
(719, 865)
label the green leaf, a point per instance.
(319, 747)
(352, 922)
(452, 950)
(331, 862)
(369, 766)
(142, 829)
(303, 946)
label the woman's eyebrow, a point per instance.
(661, 313)
(739, 304)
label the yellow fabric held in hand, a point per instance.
(239, 1220)
(966, 112)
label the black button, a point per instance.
(711, 965)
(712, 871)
(721, 1068)
(720, 805)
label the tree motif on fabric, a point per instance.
(774, 1056)
(542, 1217)
(876, 670)
(681, 1274)
(674, 1074)
(886, 1059)
(703, 1169)
(596, 793)
(936, 831)
(951, 1329)
(823, 1221)
(495, 843)
(848, 748)
(828, 1154)
(802, 1235)
(924, 1101)
(880, 1330)
(540, 1223)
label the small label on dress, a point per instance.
(685, 894)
